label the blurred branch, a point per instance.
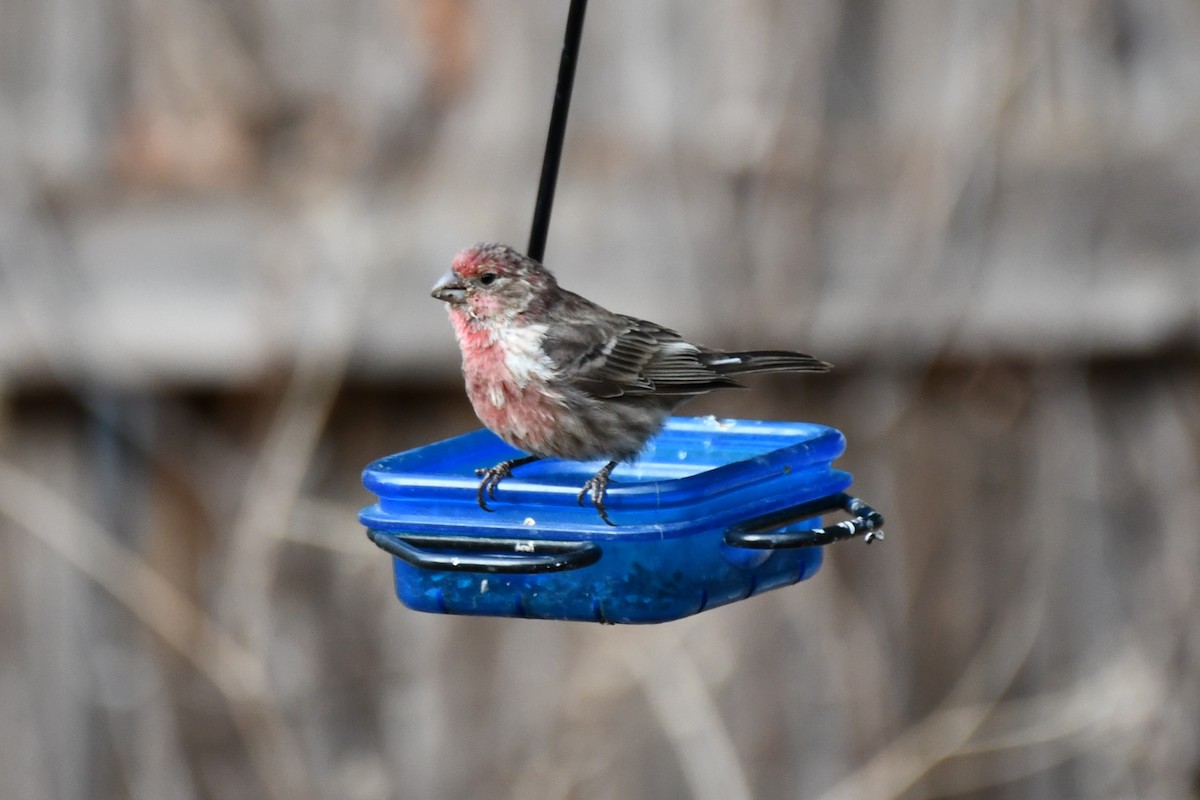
(235, 671)
(1043, 730)
(341, 248)
(688, 714)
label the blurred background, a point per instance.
(219, 223)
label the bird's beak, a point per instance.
(449, 288)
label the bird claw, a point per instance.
(596, 486)
(487, 487)
(493, 475)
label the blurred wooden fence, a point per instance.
(218, 226)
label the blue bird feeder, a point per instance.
(713, 512)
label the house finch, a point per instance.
(554, 374)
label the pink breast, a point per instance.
(524, 416)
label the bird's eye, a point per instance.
(488, 278)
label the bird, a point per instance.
(556, 375)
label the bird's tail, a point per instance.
(752, 361)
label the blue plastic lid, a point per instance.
(698, 472)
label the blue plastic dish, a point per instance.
(714, 511)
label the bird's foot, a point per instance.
(493, 475)
(596, 486)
